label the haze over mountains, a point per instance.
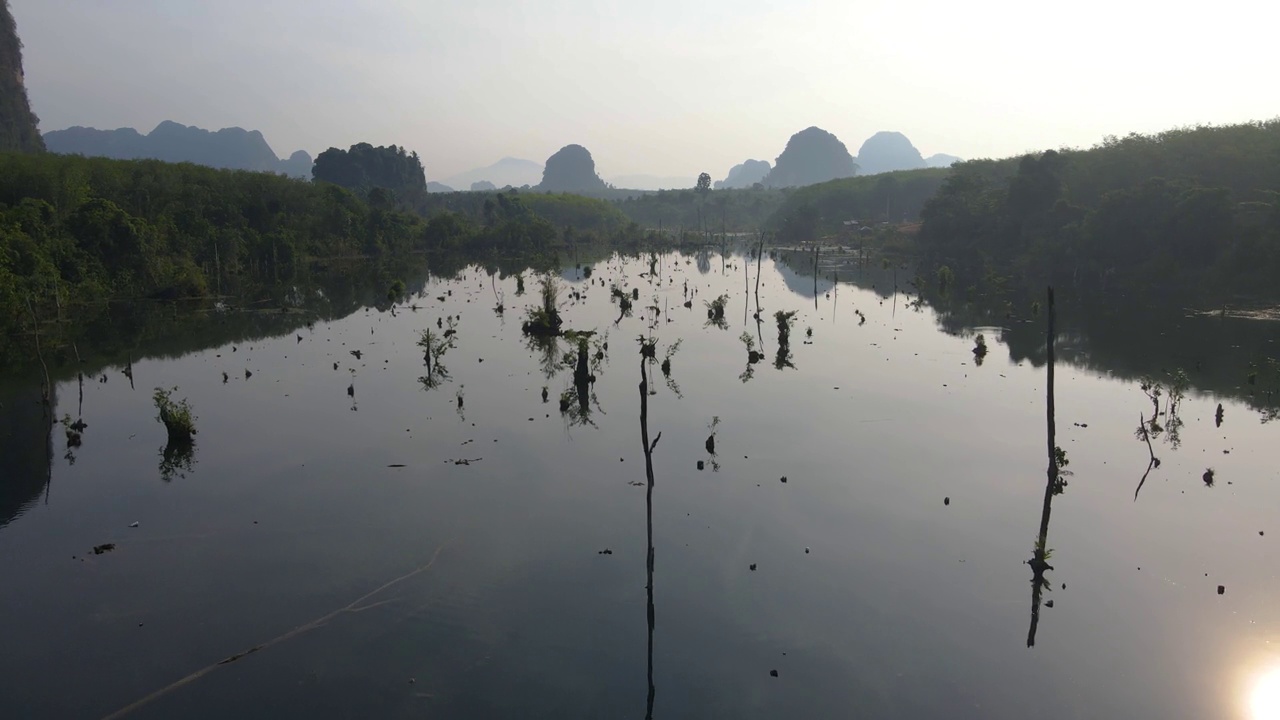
(810, 156)
(233, 148)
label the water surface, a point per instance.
(450, 540)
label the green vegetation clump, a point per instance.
(176, 416)
(544, 319)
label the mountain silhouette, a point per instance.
(888, 151)
(745, 175)
(938, 160)
(812, 155)
(233, 148)
(507, 171)
(571, 169)
(17, 123)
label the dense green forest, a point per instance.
(1188, 215)
(77, 230)
(364, 168)
(581, 217)
(816, 211)
(692, 210)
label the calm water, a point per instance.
(379, 577)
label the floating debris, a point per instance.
(108, 547)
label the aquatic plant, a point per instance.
(544, 319)
(176, 415)
(715, 308)
(784, 320)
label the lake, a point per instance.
(361, 537)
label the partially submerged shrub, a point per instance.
(715, 308)
(176, 415)
(544, 319)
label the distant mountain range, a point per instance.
(814, 155)
(507, 171)
(234, 148)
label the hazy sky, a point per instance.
(668, 87)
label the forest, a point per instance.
(1189, 215)
(76, 230)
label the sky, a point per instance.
(662, 87)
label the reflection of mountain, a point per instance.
(800, 281)
(25, 449)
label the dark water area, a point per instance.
(354, 535)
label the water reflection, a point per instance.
(26, 444)
(648, 504)
(1054, 486)
(1264, 697)
(177, 459)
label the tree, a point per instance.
(704, 184)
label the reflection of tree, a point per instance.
(1039, 561)
(177, 458)
(753, 356)
(547, 350)
(704, 261)
(645, 358)
(435, 377)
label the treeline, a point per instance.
(818, 211)
(1190, 214)
(735, 211)
(580, 216)
(76, 229)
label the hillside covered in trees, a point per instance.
(821, 210)
(1188, 215)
